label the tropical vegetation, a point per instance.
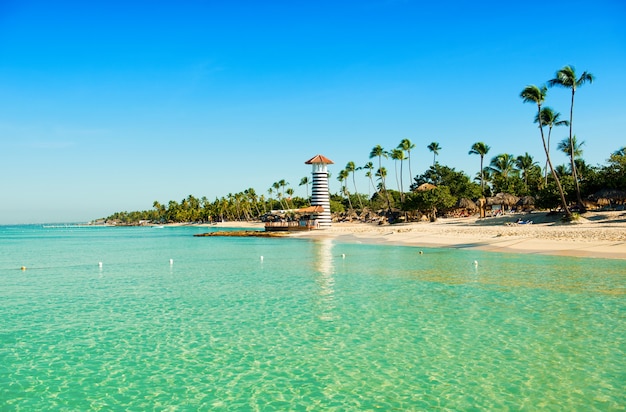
(564, 187)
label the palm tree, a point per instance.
(549, 118)
(537, 95)
(369, 166)
(382, 175)
(480, 149)
(351, 168)
(566, 77)
(435, 148)
(503, 165)
(276, 186)
(378, 151)
(398, 154)
(566, 146)
(305, 181)
(525, 164)
(343, 175)
(407, 145)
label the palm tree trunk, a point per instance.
(571, 155)
(568, 213)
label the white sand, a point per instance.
(597, 234)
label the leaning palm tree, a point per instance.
(550, 118)
(407, 145)
(537, 95)
(481, 149)
(351, 168)
(566, 77)
(434, 148)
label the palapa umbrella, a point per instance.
(607, 196)
(466, 203)
(526, 201)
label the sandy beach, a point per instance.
(595, 234)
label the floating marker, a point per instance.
(421, 253)
(100, 265)
(475, 263)
(343, 255)
(261, 258)
(171, 261)
(23, 268)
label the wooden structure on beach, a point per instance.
(305, 219)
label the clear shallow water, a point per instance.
(303, 329)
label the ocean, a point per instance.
(143, 318)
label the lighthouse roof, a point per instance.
(319, 159)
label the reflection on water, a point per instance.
(325, 267)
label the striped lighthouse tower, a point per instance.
(320, 193)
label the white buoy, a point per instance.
(421, 253)
(261, 258)
(475, 263)
(171, 261)
(100, 265)
(343, 255)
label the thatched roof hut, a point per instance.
(606, 197)
(465, 203)
(425, 187)
(526, 202)
(505, 199)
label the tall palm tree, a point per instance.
(434, 148)
(407, 145)
(550, 118)
(480, 149)
(305, 181)
(398, 154)
(351, 168)
(566, 77)
(343, 175)
(378, 151)
(537, 95)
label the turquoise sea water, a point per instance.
(314, 325)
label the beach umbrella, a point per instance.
(425, 187)
(526, 201)
(610, 195)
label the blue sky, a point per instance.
(109, 106)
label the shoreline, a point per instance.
(594, 235)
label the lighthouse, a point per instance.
(320, 194)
